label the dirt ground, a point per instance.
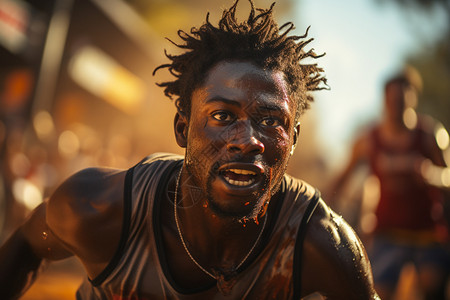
(59, 281)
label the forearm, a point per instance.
(435, 175)
(18, 266)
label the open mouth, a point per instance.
(239, 177)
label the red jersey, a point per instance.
(406, 201)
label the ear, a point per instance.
(180, 124)
(296, 136)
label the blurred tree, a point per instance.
(433, 62)
(434, 65)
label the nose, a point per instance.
(243, 139)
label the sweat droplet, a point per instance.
(44, 235)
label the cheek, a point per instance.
(203, 145)
(285, 141)
(278, 149)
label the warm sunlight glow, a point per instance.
(43, 124)
(442, 138)
(410, 118)
(103, 76)
(27, 193)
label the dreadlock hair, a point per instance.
(258, 40)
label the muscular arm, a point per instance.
(82, 218)
(86, 215)
(335, 261)
(22, 254)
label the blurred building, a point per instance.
(23, 28)
(77, 90)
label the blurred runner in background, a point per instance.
(404, 154)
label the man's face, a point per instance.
(239, 137)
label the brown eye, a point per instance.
(222, 116)
(271, 122)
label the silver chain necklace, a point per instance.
(184, 243)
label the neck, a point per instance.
(216, 241)
(202, 227)
(394, 125)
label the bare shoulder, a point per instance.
(335, 261)
(86, 213)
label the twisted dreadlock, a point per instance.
(258, 40)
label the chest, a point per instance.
(395, 154)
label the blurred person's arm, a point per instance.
(359, 155)
(434, 169)
(82, 218)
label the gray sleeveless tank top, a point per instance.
(138, 270)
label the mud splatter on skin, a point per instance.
(253, 103)
(266, 203)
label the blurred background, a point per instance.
(76, 88)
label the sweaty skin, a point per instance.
(241, 122)
(238, 142)
(241, 119)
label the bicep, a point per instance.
(85, 213)
(336, 263)
(41, 237)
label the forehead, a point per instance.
(235, 80)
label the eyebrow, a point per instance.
(224, 100)
(271, 108)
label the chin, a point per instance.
(239, 211)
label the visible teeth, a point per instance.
(242, 171)
(238, 182)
